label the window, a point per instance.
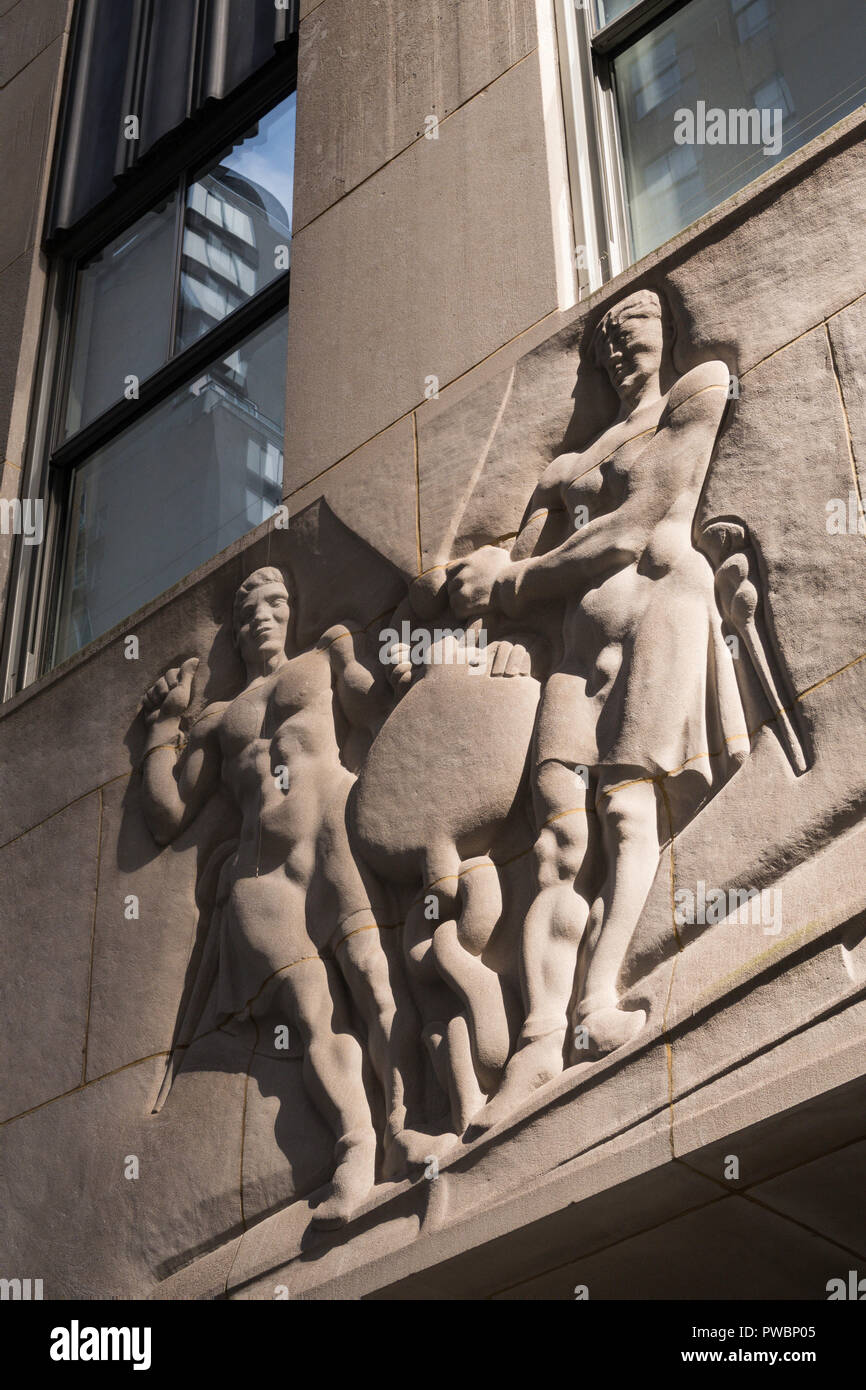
(196, 472)
(151, 500)
(158, 423)
(677, 104)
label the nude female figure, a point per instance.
(292, 916)
(645, 696)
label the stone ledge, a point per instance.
(624, 1109)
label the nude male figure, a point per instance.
(293, 916)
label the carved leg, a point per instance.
(627, 804)
(551, 937)
(457, 946)
(370, 963)
(313, 995)
(434, 1000)
(465, 1094)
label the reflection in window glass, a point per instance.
(238, 224)
(193, 475)
(752, 16)
(759, 77)
(122, 315)
(609, 10)
(657, 79)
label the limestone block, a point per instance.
(140, 961)
(783, 456)
(369, 78)
(373, 493)
(72, 1218)
(14, 281)
(695, 1256)
(711, 1102)
(817, 1194)
(27, 31)
(47, 886)
(25, 113)
(478, 455)
(619, 1187)
(383, 295)
(204, 1279)
(796, 1125)
(190, 1156)
(797, 913)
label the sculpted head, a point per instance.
(260, 617)
(629, 342)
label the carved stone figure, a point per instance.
(436, 804)
(642, 719)
(292, 921)
(385, 803)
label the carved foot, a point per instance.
(411, 1148)
(611, 1028)
(352, 1182)
(532, 1066)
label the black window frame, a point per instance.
(33, 593)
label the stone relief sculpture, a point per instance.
(641, 719)
(290, 907)
(441, 862)
(441, 837)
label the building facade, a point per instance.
(433, 720)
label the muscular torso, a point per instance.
(282, 721)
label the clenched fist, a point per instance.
(169, 697)
(471, 581)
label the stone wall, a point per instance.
(416, 258)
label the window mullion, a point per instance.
(629, 25)
(183, 186)
(619, 249)
(175, 372)
(29, 562)
(598, 198)
(582, 147)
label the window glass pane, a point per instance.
(238, 224)
(192, 476)
(609, 10)
(122, 315)
(721, 91)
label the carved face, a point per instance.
(263, 622)
(631, 349)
